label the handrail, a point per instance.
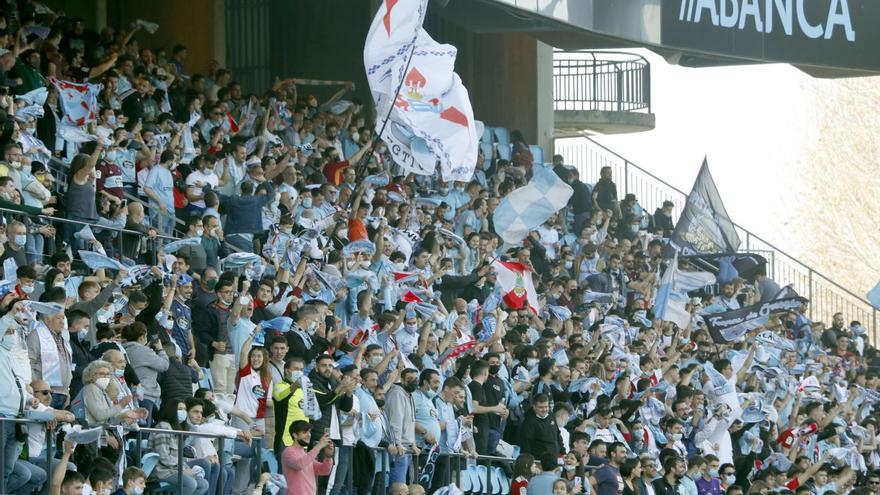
(601, 80)
(80, 222)
(811, 277)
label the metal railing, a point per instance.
(605, 81)
(826, 296)
(49, 451)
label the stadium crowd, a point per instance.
(344, 323)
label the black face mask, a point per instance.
(494, 369)
(410, 386)
(380, 402)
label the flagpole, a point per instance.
(364, 160)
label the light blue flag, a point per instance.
(97, 261)
(281, 324)
(671, 299)
(874, 296)
(174, 246)
(526, 208)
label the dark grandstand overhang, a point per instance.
(824, 38)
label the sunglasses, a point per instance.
(43, 392)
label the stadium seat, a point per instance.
(502, 135)
(504, 151)
(537, 153)
(486, 148)
(269, 458)
(487, 134)
(148, 464)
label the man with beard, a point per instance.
(334, 397)
(301, 467)
(400, 408)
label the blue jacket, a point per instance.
(244, 213)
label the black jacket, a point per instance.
(327, 398)
(298, 347)
(82, 356)
(176, 382)
(540, 436)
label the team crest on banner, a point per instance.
(79, 101)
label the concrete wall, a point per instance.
(190, 22)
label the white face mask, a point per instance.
(102, 382)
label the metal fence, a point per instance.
(49, 451)
(826, 296)
(604, 81)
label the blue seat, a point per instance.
(537, 153)
(148, 464)
(504, 151)
(487, 134)
(269, 458)
(486, 148)
(502, 135)
(208, 381)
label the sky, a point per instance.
(795, 158)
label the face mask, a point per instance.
(312, 328)
(411, 329)
(200, 232)
(209, 172)
(7, 341)
(431, 394)
(459, 188)
(375, 361)
(137, 491)
(355, 137)
(713, 473)
(15, 164)
(111, 120)
(58, 284)
(27, 289)
(82, 334)
(102, 382)
(568, 265)
(211, 283)
(494, 369)
(295, 376)
(410, 386)
(730, 479)
(20, 240)
(307, 203)
(380, 403)
(103, 491)
(444, 191)
(531, 362)
(569, 468)
(675, 437)
(119, 373)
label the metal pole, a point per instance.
(3, 475)
(489, 477)
(50, 441)
(810, 284)
(874, 326)
(221, 459)
(625, 177)
(179, 464)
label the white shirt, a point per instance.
(205, 179)
(549, 239)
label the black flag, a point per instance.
(704, 227)
(730, 325)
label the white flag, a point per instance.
(432, 120)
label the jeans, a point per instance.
(190, 485)
(343, 469)
(212, 472)
(494, 439)
(164, 224)
(243, 466)
(9, 451)
(26, 478)
(400, 468)
(34, 247)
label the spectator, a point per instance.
(542, 483)
(300, 467)
(172, 415)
